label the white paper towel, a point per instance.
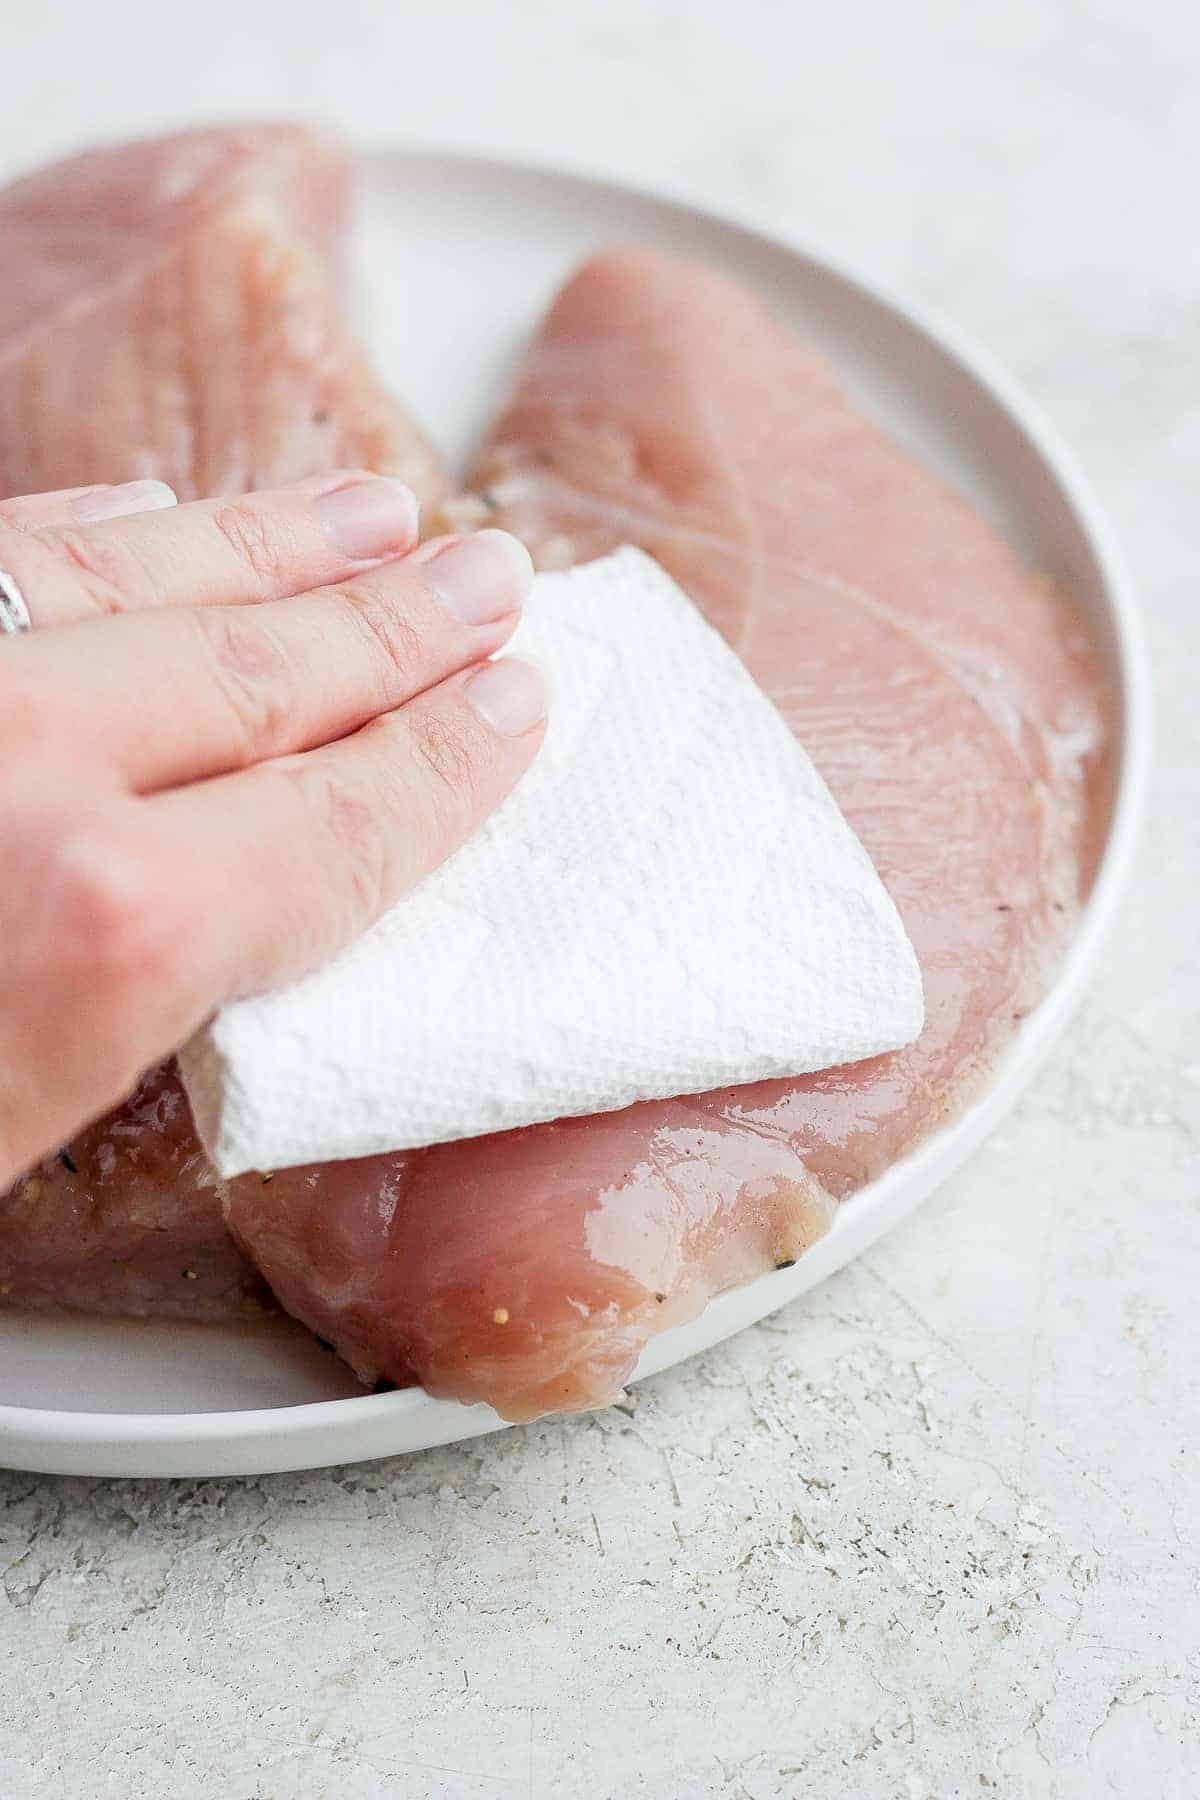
(670, 901)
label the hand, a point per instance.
(238, 733)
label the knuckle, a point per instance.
(251, 673)
(447, 749)
(113, 919)
(394, 638)
(349, 837)
(104, 570)
(258, 541)
(447, 780)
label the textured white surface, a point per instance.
(670, 901)
(932, 1533)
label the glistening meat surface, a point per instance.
(126, 1220)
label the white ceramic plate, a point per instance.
(461, 254)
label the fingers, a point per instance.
(85, 505)
(212, 552)
(128, 921)
(173, 696)
(291, 860)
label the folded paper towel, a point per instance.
(670, 901)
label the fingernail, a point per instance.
(508, 695)
(481, 578)
(90, 505)
(432, 547)
(369, 519)
(313, 486)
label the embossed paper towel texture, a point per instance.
(670, 901)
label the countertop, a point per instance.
(933, 1531)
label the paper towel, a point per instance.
(670, 901)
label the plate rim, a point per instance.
(319, 1433)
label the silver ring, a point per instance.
(14, 614)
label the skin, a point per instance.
(239, 731)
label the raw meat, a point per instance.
(172, 308)
(949, 699)
(664, 404)
(127, 1221)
